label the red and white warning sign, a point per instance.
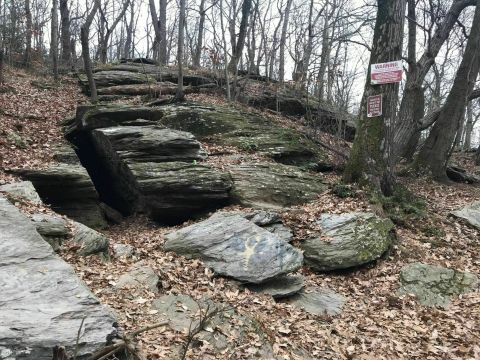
(386, 73)
(374, 106)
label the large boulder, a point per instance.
(227, 328)
(348, 240)
(53, 229)
(273, 186)
(470, 214)
(235, 247)
(435, 285)
(22, 190)
(43, 303)
(69, 191)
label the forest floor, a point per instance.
(375, 322)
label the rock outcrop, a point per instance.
(22, 190)
(435, 285)
(273, 186)
(470, 214)
(69, 190)
(348, 240)
(53, 229)
(235, 247)
(43, 302)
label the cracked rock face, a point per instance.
(435, 285)
(236, 247)
(43, 302)
(348, 240)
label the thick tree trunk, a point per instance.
(28, 35)
(2, 60)
(54, 39)
(283, 40)
(180, 96)
(407, 125)
(467, 144)
(438, 147)
(370, 158)
(87, 63)
(237, 50)
(66, 37)
(127, 49)
(201, 26)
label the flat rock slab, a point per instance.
(317, 301)
(470, 214)
(435, 285)
(140, 276)
(23, 190)
(69, 190)
(281, 287)
(43, 302)
(348, 240)
(235, 247)
(273, 186)
(226, 329)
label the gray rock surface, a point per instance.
(348, 240)
(69, 190)
(42, 301)
(123, 250)
(235, 247)
(470, 214)
(226, 330)
(281, 287)
(91, 242)
(23, 190)
(53, 229)
(317, 301)
(273, 186)
(435, 285)
(140, 276)
(65, 154)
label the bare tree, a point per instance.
(84, 38)
(65, 34)
(283, 40)
(180, 96)
(28, 35)
(238, 45)
(103, 46)
(54, 38)
(160, 28)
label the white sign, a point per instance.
(386, 73)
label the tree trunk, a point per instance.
(109, 31)
(28, 35)
(54, 39)
(84, 30)
(237, 50)
(127, 49)
(2, 60)
(437, 148)
(370, 158)
(407, 125)
(66, 37)
(467, 144)
(201, 26)
(283, 40)
(180, 96)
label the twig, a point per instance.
(78, 339)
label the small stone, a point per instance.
(280, 287)
(53, 229)
(317, 301)
(123, 250)
(140, 276)
(91, 241)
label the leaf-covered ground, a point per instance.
(375, 323)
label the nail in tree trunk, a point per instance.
(237, 49)
(438, 147)
(54, 38)
(65, 35)
(180, 96)
(28, 35)
(370, 158)
(87, 63)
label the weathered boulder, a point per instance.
(43, 302)
(140, 276)
(69, 190)
(317, 301)
(273, 186)
(281, 287)
(470, 214)
(65, 154)
(146, 144)
(90, 241)
(23, 190)
(235, 247)
(118, 77)
(123, 250)
(53, 229)
(435, 285)
(348, 240)
(225, 324)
